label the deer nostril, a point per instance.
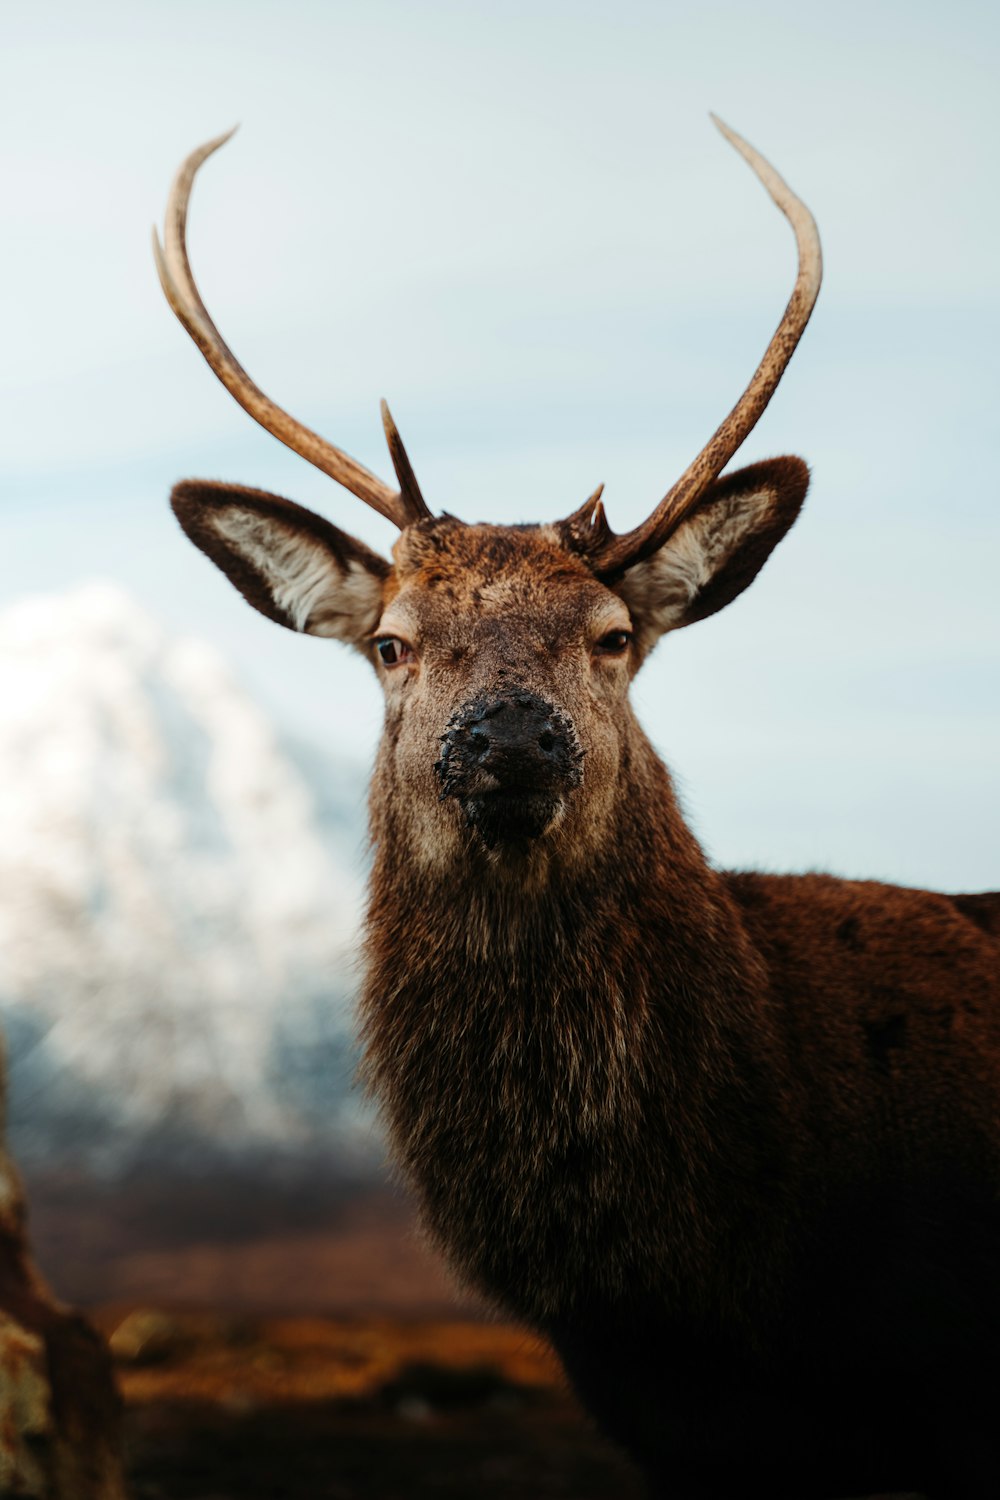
(546, 741)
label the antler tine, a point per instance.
(615, 553)
(587, 528)
(409, 489)
(181, 292)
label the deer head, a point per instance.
(505, 652)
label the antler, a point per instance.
(587, 528)
(173, 266)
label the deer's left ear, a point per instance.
(717, 552)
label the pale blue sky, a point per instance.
(516, 222)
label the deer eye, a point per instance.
(393, 651)
(615, 643)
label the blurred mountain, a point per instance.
(179, 906)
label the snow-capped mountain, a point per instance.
(177, 921)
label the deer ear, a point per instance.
(286, 561)
(718, 551)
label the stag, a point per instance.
(730, 1141)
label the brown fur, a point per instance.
(731, 1141)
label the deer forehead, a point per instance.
(456, 581)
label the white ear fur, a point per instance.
(318, 594)
(714, 555)
(291, 564)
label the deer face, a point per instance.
(505, 658)
(505, 653)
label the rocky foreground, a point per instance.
(59, 1411)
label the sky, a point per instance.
(517, 223)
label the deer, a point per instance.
(730, 1141)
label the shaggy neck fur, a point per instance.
(567, 1084)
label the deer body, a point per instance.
(730, 1141)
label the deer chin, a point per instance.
(512, 816)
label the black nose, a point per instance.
(509, 762)
(519, 739)
(517, 731)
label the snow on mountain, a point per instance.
(177, 922)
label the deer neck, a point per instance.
(548, 1057)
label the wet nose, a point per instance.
(510, 762)
(519, 740)
(522, 731)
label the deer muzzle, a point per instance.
(510, 762)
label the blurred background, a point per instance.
(516, 223)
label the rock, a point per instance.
(147, 1337)
(59, 1411)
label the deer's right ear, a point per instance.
(286, 561)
